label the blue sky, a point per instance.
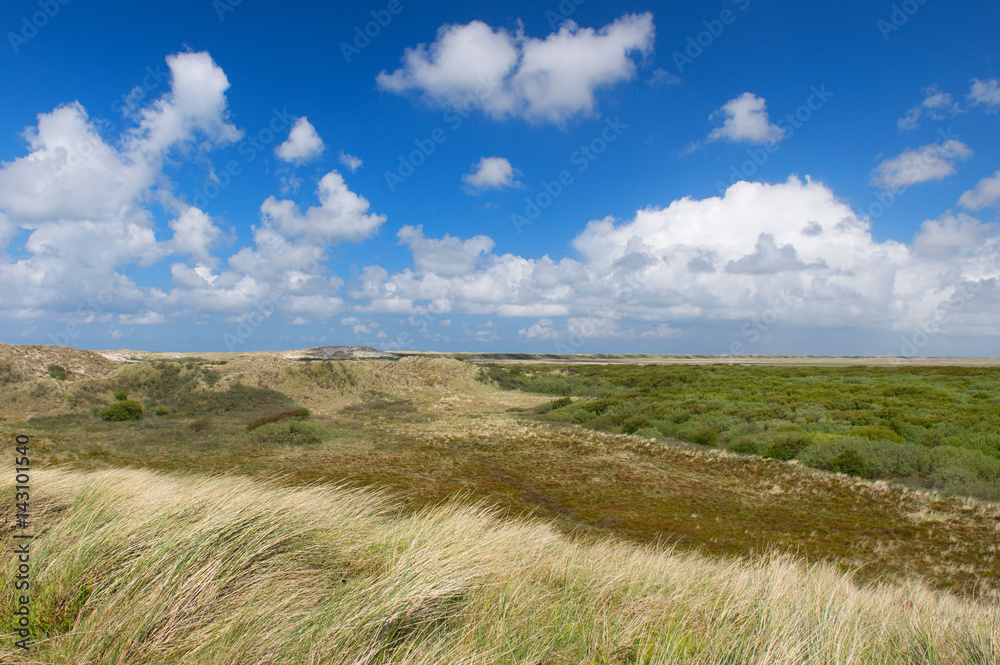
(708, 177)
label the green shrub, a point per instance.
(553, 405)
(123, 410)
(982, 467)
(121, 395)
(849, 461)
(160, 410)
(635, 423)
(289, 432)
(287, 414)
(239, 398)
(887, 459)
(746, 445)
(57, 372)
(681, 416)
(705, 436)
(877, 433)
(608, 421)
(786, 446)
(951, 477)
(548, 384)
(499, 377)
(202, 424)
(597, 406)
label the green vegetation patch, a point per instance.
(122, 411)
(290, 432)
(932, 427)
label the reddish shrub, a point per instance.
(289, 414)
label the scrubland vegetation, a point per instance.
(264, 510)
(931, 427)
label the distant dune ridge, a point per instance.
(338, 353)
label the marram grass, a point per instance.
(137, 567)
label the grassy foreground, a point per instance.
(426, 430)
(140, 567)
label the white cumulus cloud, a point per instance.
(718, 259)
(513, 75)
(342, 215)
(745, 119)
(936, 105)
(930, 162)
(303, 143)
(350, 161)
(985, 93)
(491, 173)
(986, 193)
(449, 256)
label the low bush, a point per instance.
(608, 421)
(786, 446)
(746, 445)
(553, 405)
(951, 477)
(57, 372)
(202, 424)
(705, 436)
(289, 432)
(240, 398)
(635, 423)
(982, 467)
(877, 433)
(160, 410)
(121, 395)
(849, 461)
(499, 377)
(123, 410)
(287, 414)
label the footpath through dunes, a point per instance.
(134, 567)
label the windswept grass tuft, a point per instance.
(140, 568)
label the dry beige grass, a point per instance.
(136, 568)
